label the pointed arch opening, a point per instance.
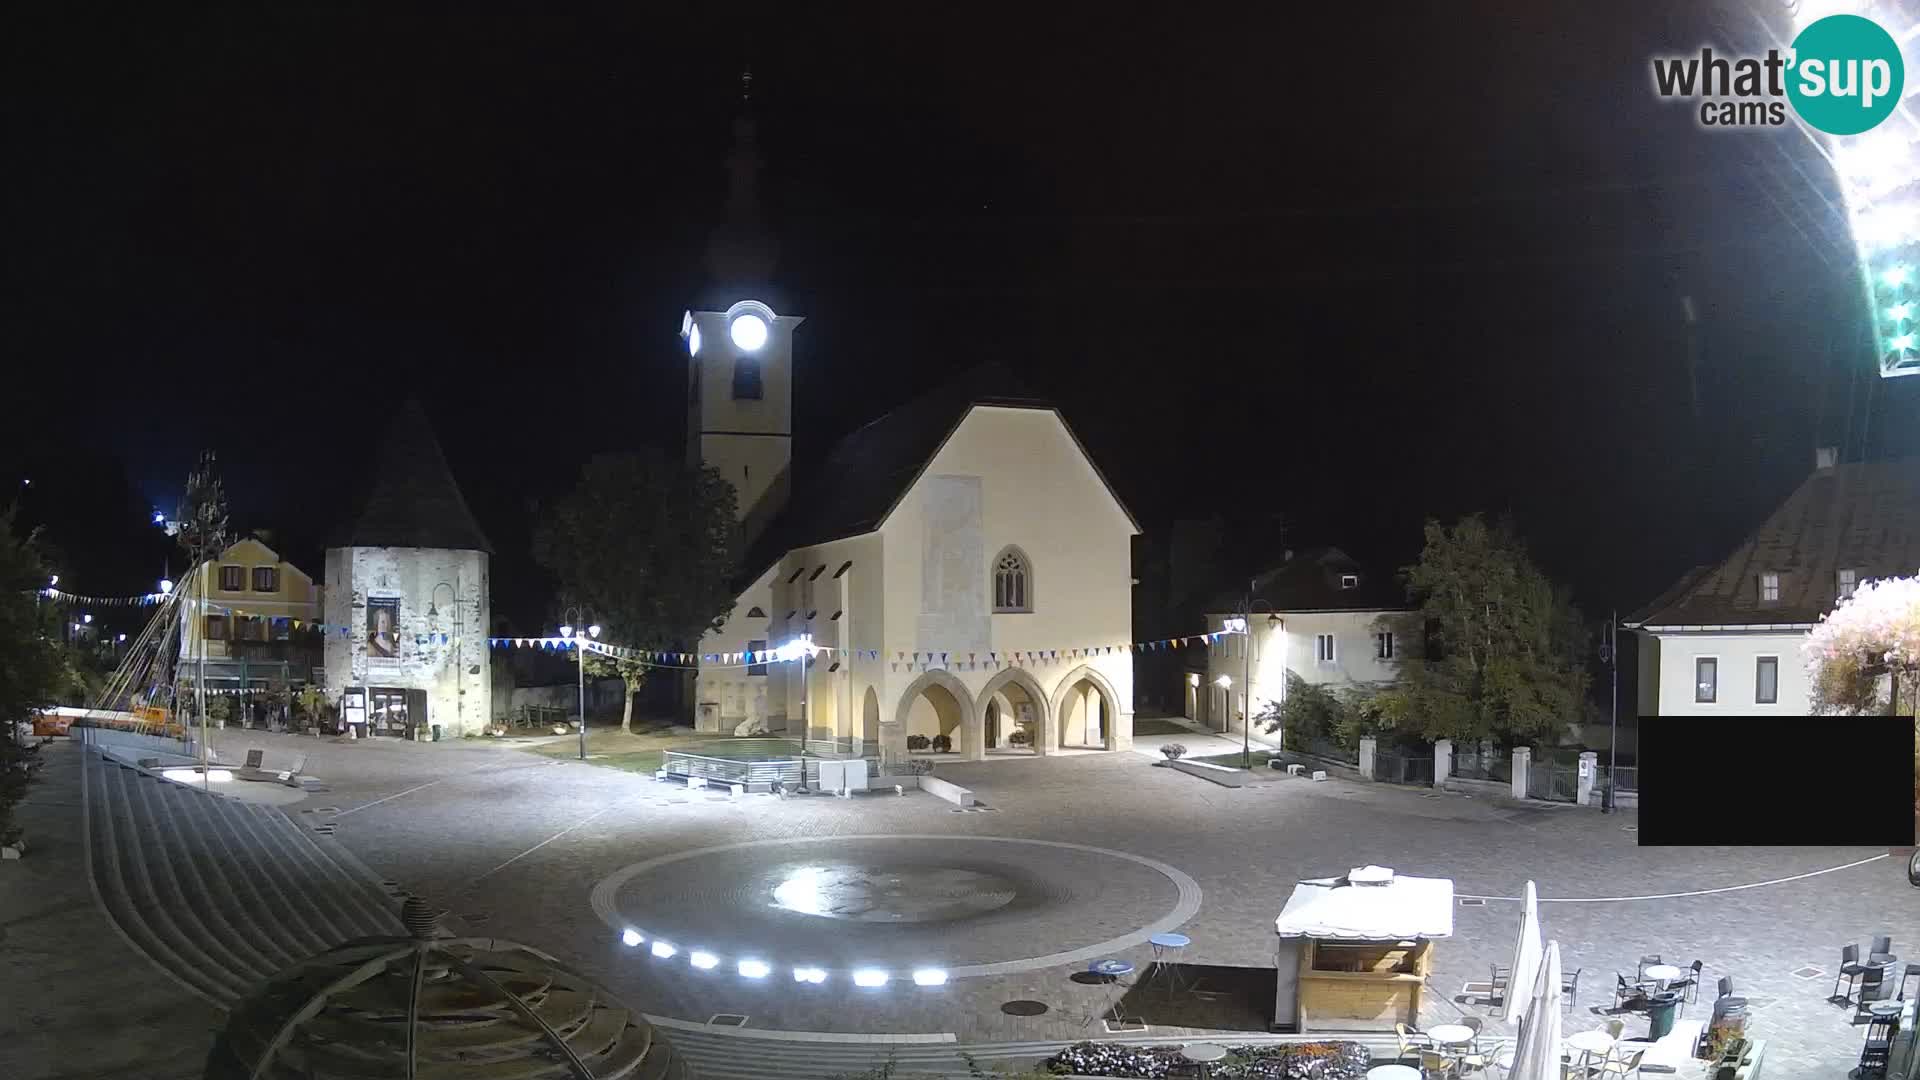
(1012, 581)
(1013, 714)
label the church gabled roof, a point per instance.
(871, 470)
(411, 499)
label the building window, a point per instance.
(266, 579)
(1769, 588)
(1848, 581)
(1766, 680)
(1383, 645)
(1349, 581)
(1323, 648)
(216, 628)
(233, 578)
(746, 378)
(756, 648)
(1706, 680)
(250, 628)
(282, 629)
(1012, 581)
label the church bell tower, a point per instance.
(740, 350)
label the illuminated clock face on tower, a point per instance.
(749, 332)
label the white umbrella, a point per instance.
(1526, 957)
(1536, 1052)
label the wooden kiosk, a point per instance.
(1354, 951)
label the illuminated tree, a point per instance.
(1869, 642)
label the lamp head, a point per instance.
(593, 631)
(1223, 681)
(566, 631)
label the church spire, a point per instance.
(741, 252)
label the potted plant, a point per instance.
(942, 744)
(917, 742)
(1019, 738)
(1173, 751)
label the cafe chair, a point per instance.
(1497, 986)
(1570, 989)
(1912, 971)
(1850, 969)
(1617, 1063)
(1882, 946)
(1435, 1063)
(1412, 1042)
(1873, 987)
(1615, 1027)
(1627, 996)
(1485, 1058)
(1689, 984)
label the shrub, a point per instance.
(920, 767)
(917, 742)
(942, 744)
(1174, 751)
(1018, 738)
(1285, 1061)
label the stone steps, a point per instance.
(220, 893)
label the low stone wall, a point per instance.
(1486, 789)
(946, 789)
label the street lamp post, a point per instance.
(1611, 650)
(1244, 627)
(802, 649)
(580, 636)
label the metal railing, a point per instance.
(1476, 763)
(746, 761)
(1553, 781)
(1625, 778)
(1403, 768)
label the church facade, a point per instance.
(960, 567)
(960, 563)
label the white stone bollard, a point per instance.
(1442, 761)
(1589, 774)
(1367, 747)
(1522, 766)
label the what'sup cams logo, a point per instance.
(1843, 75)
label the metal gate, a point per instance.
(1553, 781)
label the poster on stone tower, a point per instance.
(383, 627)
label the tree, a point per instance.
(647, 545)
(1870, 641)
(1505, 651)
(31, 666)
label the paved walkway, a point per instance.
(516, 844)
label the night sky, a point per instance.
(1355, 269)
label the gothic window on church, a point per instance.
(1012, 582)
(746, 378)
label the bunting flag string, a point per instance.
(911, 660)
(145, 600)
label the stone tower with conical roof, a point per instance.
(407, 597)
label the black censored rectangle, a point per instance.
(1748, 781)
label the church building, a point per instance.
(960, 564)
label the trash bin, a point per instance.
(1660, 1010)
(436, 733)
